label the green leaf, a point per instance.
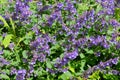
(66, 76)
(71, 69)
(3, 76)
(29, 78)
(7, 53)
(7, 40)
(13, 26)
(117, 13)
(82, 7)
(7, 71)
(3, 1)
(20, 40)
(15, 63)
(89, 51)
(5, 23)
(109, 32)
(95, 76)
(110, 77)
(48, 64)
(82, 55)
(56, 46)
(82, 65)
(24, 54)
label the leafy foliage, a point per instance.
(59, 40)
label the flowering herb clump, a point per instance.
(59, 40)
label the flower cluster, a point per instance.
(67, 57)
(4, 62)
(21, 74)
(108, 5)
(101, 66)
(99, 40)
(22, 10)
(60, 40)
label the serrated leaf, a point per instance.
(7, 40)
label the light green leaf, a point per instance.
(95, 76)
(20, 40)
(89, 51)
(82, 65)
(5, 23)
(24, 54)
(71, 69)
(3, 76)
(66, 76)
(13, 26)
(48, 64)
(82, 55)
(7, 40)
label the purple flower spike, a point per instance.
(60, 5)
(115, 60)
(21, 74)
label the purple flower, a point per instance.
(21, 74)
(60, 5)
(114, 23)
(71, 55)
(108, 6)
(55, 15)
(67, 57)
(70, 7)
(22, 11)
(44, 8)
(13, 71)
(31, 69)
(63, 70)
(26, 1)
(4, 62)
(101, 66)
(105, 45)
(34, 59)
(35, 29)
(118, 45)
(22, 71)
(97, 54)
(11, 46)
(51, 70)
(115, 72)
(1, 52)
(39, 4)
(41, 57)
(115, 60)
(4, 34)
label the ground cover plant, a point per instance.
(59, 40)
